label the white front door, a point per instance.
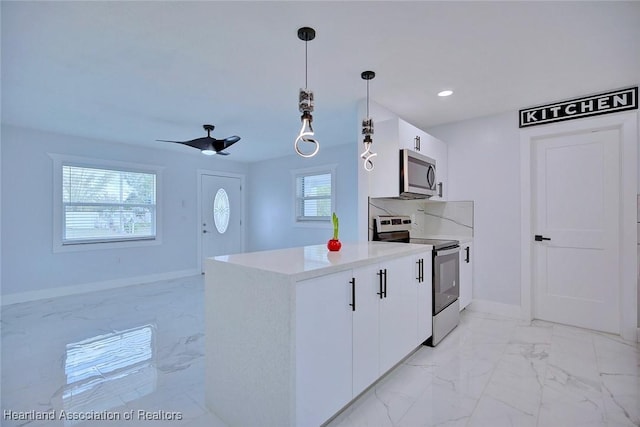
(576, 202)
(221, 214)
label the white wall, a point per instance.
(28, 261)
(484, 166)
(271, 205)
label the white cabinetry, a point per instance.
(366, 328)
(393, 135)
(423, 282)
(295, 335)
(466, 274)
(342, 349)
(398, 312)
(386, 319)
(323, 347)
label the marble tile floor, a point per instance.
(139, 351)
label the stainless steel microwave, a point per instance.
(417, 175)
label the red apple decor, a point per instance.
(334, 244)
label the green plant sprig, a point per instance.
(334, 220)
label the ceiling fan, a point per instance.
(208, 144)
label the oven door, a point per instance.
(446, 278)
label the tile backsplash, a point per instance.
(429, 218)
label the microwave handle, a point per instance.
(431, 176)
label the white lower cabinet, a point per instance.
(366, 328)
(323, 347)
(398, 313)
(352, 327)
(423, 280)
(466, 274)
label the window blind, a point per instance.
(313, 197)
(103, 205)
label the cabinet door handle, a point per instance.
(353, 294)
(385, 282)
(381, 293)
(439, 189)
(467, 255)
(416, 143)
(419, 278)
(422, 269)
(540, 238)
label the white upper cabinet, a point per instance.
(390, 137)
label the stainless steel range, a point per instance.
(446, 271)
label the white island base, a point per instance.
(293, 335)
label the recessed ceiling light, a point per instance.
(445, 93)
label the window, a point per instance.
(314, 199)
(100, 204)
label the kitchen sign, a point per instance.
(593, 105)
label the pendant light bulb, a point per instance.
(305, 104)
(367, 129)
(306, 136)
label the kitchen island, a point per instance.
(293, 335)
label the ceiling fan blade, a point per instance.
(204, 143)
(231, 139)
(166, 140)
(222, 153)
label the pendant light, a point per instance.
(367, 128)
(305, 103)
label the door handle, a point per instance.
(381, 293)
(467, 255)
(540, 238)
(419, 278)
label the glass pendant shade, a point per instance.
(367, 155)
(305, 105)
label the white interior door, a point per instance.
(221, 214)
(576, 198)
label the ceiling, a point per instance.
(134, 72)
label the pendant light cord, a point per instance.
(306, 66)
(367, 98)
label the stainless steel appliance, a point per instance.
(445, 259)
(417, 175)
(446, 286)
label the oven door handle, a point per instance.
(443, 252)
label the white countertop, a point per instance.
(313, 261)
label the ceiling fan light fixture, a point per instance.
(445, 93)
(306, 104)
(209, 145)
(367, 129)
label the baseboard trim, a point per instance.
(92, 287)
(497, 308)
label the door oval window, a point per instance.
(221, 211)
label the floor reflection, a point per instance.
(108, 371)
